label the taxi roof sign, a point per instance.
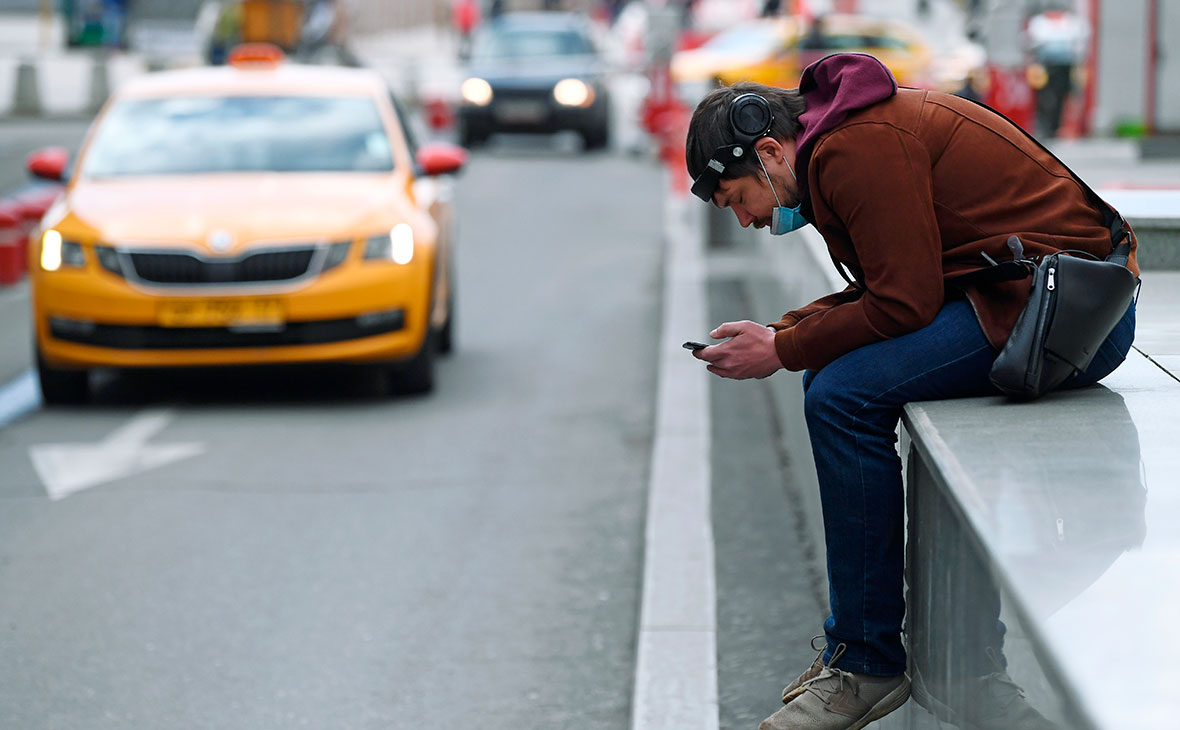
(256, 55)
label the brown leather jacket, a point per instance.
(908, 193)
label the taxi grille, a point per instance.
(184, 268)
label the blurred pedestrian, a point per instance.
(909, 188)
(1057, 40)
(974, 21)
(816, 38)
(612, 8)
(464, 17)
(114, 23)
(227, 32)
(969, 89)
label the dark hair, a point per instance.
(710, 129)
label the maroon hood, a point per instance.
(834, 87)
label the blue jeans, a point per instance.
(852, 407)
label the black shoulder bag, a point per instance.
(1075, 300)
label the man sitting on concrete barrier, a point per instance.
(908, 188)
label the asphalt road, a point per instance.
(334, 559)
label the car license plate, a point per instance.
(521, 111)
(221, 312)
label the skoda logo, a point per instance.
(221, 241)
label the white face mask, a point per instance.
(784, 219)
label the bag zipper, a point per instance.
(1037, 357)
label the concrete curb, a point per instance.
(676, 656)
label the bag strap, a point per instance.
(1120, 236)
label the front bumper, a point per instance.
(374, 311)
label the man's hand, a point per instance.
(749, 353)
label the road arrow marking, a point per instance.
(68, 468)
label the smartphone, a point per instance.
(694, 346)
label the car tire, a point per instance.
(446, 334)
(471, 137)
(597, 138)
(62, 387)
(416, 375)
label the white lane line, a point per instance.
(676, 665)
(18, 397)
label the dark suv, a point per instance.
(535, 72)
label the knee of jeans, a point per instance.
(821, 399)
(808, 376)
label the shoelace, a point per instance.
(825, 694)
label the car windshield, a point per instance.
(745, 39)
(502, 43)
(213, 134)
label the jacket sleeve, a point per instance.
(793, 317)
(876, 180)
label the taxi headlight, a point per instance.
(572, 92)
(476, 91)
(56, 253)
(396, 246)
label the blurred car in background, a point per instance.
(262, 212)
(774, 51)
(535, 72)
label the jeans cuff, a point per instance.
(876, 669)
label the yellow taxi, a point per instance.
(775, 51)
(262, 212)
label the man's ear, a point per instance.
(769, 148)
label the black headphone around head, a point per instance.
(750, 118)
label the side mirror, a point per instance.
(441, 159)
(48, 163)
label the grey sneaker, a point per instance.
(833, 699)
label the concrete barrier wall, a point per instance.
(69, 84)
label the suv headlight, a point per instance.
(396, 246)
(56, 252)
(476, 91)
(573, 92)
